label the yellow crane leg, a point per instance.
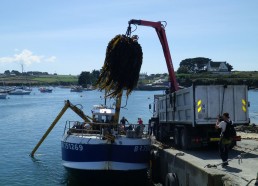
(67, 104)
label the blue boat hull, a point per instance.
(96, 154)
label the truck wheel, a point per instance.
(171, 180)
(185, 142)
(177, 138)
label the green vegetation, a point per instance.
(64, 80)
(250, 78)
(236, 77)
(87, 78)
(197, 65)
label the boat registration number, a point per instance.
(72, 146)
(141, 148)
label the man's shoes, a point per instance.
(224, 164)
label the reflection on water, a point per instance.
(106, 178)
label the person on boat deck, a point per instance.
(123, 121)
(94, 119)
(130, 127)
(140, 121)
(151, 126)
(224, 141)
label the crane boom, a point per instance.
(160, 29)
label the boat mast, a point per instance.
(118, 106)
(105, 100)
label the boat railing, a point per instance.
(102, 129)
(136, 130)
(82, 128)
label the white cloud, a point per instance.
(27, 57)
(51, 59)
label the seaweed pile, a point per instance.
(121, 67)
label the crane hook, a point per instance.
(129, 30)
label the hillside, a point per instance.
(250, 78)
(39, 80)
(237, 77)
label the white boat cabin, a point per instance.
(102, 114)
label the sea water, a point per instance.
(24, 120)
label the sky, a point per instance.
(68, 37)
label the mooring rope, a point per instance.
(238, 157)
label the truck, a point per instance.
(186, 117)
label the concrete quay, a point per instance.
(202, 167)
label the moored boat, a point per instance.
(103, 145)
(19, 92)
(45, 90)
(99, 143)
(76, 89)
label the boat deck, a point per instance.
(105, 130)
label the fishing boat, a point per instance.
(103, 145)
(99, 143)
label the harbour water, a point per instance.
(24, 119)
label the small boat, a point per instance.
(103, 145)
(3, 95)
(45, 90)
(19, 92)
(76, 89)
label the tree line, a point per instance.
(186, 66)
(196, 65)
(88, 78)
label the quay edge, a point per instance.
(191, 171)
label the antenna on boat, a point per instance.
(105, 98)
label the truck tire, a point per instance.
(185, 142)
(177, 138)
(171, 179)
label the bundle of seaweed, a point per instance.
(121, 67)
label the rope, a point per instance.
(125, 103)
(238, 157)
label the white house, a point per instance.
(143, 75)
(217, 67)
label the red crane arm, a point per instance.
(160, 29)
